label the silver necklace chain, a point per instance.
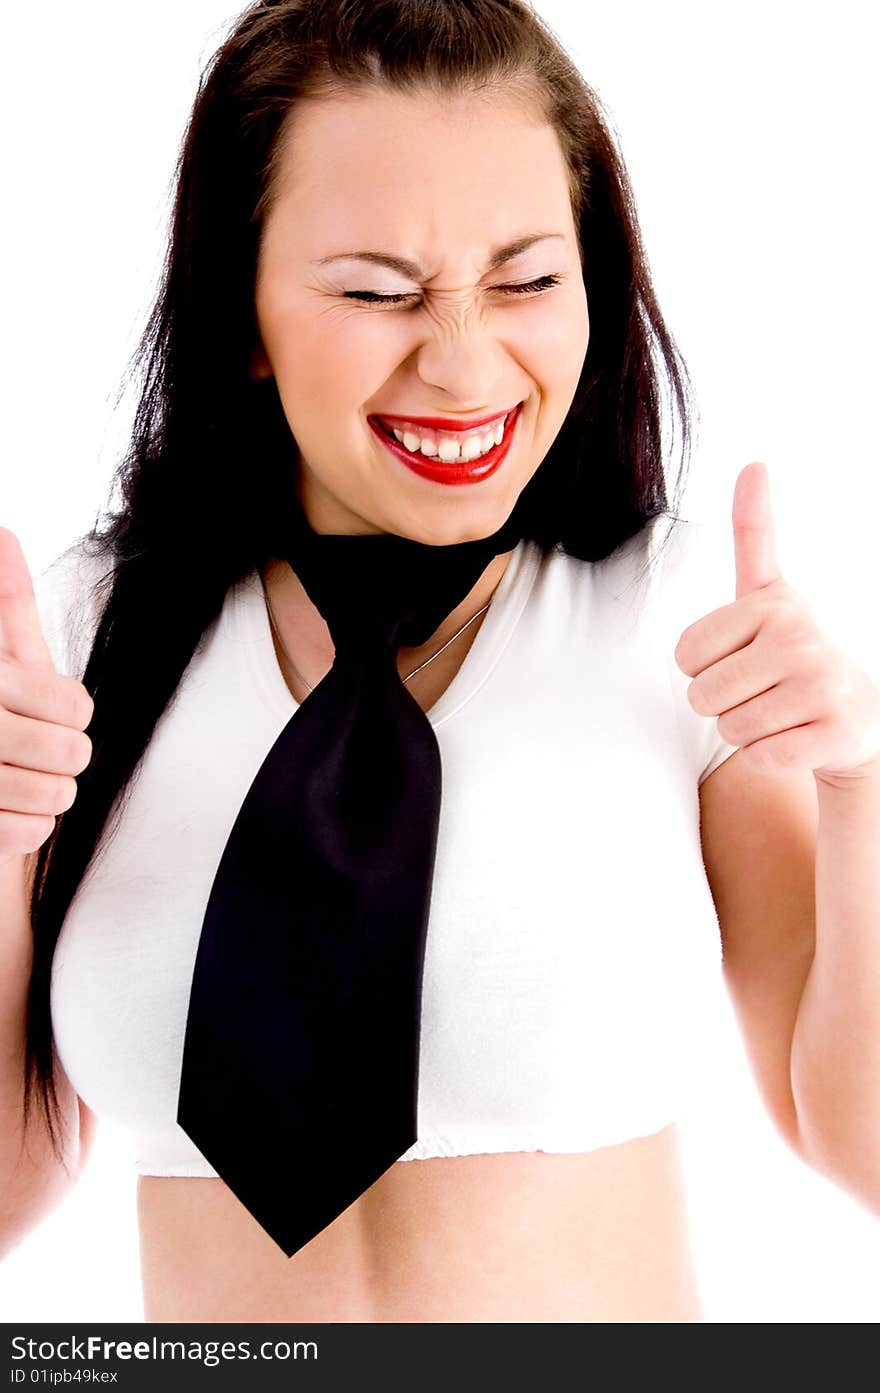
(409, 674)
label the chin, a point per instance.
(448, 537)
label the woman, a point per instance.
(571, 939)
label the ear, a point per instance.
(259, 365)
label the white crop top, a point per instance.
(572, 940)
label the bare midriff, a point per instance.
(514, 1236)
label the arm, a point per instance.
(794, 870)
(32, 1181)
(835, 1056)
(792, 850)
(43, 715)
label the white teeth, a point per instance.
(472, 447)
(448, 450)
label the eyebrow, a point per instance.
(413, 271)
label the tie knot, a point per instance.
(378, 592)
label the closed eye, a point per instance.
(526, 288)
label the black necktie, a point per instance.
(300, 1066)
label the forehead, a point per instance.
(421, 174)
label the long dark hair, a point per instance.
(206, 480)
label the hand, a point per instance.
(43, 716)
(780, 689)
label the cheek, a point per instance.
(554, 343)
(329, 347)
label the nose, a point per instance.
(463, 358)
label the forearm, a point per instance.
(31, 1180)
(16, 957)
(835, 1058)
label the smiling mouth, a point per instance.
(448, 446)
(440, 466)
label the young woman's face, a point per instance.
(442, 184)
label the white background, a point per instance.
(750, 136)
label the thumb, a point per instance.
(754, 542)
(21, 634)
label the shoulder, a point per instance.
(680, 544)
(671, 564)
(693, 568)
(71, 593)
(79, 565)
(660, 568)
(662, 545)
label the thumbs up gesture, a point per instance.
(780, 689)
(43, 716)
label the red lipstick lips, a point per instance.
(455, 472)
(444, 422)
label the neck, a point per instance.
(304, 630)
